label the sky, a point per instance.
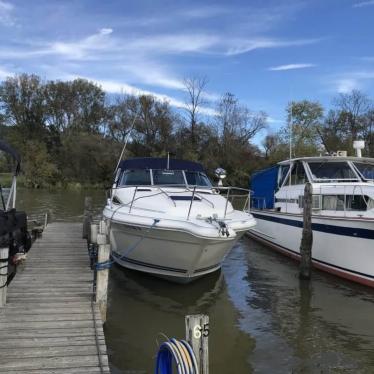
(267, 53)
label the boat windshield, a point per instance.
(136, 177)
(168, 177)
(197, 178)
(365, 169)
(142, 177)
(324, 171)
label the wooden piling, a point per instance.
(4, 253)
(197, 333)
(307, 235)
(87, 217)
(102, 275)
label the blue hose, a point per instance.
(179, 353)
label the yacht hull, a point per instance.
(172, 254)
(341, 246)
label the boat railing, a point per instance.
(194, 193)
(258, 202)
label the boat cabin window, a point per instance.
(197, 178)
(283, 170)
(168, 177)
(348, 202)
(324, 171)
(136, 177)
(298, 175)
(366, 170)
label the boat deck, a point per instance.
(50, 323)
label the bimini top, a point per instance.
(160, 164)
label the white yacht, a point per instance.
(342, 212)
(166, 218)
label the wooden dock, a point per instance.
(50, 323)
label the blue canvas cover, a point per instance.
(263, 183)
(160, 164)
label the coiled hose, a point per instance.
(179, 353)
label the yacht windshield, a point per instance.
(196, 178)
(168, 177)
(331, 171)
(366, 170)
(136, 177)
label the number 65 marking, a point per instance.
(198, 331)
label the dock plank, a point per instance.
(50, 317)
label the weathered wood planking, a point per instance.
(50, 324)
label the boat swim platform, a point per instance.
(50, 323)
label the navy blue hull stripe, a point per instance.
(314, 259)
(330, 229)
(153, 266)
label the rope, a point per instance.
(178, 352)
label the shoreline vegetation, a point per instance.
(71, 133)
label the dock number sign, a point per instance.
(199, 331)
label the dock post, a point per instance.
(102, 274)
(197, 332)
(307, 235)
(4, 253)
(87, 217)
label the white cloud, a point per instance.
(363, 4)
(247, 45)
(124, 88)
(205, 11)
(354, 80)
(6, 16)
(5, 73)
(82, 48)
(346, 85)
(291, 67)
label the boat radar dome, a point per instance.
(358, 145)
(220, 174)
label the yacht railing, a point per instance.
(194, 193)
(258, 202)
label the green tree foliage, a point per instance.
(72, 132)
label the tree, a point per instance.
(154, 127)
(121, 116)
(194, 87)
(22, 101)
(237, 121)
(350, 120)
(304, 120)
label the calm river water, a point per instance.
(262, 318)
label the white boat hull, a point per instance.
(173, 254)
(341, 246)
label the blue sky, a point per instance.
(265, 52)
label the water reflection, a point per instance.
(321, 326)
(142, 307)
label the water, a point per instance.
(262, 318)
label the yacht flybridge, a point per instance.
(342, 218)
(166, 218)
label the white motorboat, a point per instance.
(166, 218)
(342, 212)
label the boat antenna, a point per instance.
(126, 141)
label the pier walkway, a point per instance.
(50, 324)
